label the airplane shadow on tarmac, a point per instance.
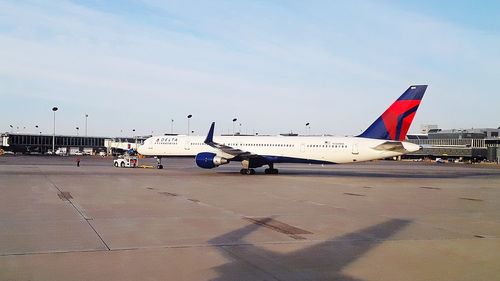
(378, 174)
(323, 261)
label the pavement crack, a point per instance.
(65, 196)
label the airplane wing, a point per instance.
(238, 154)
(326, 260)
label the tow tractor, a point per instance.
(126, 161)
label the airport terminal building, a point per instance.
(66, 145)
(469, 144)
(42, 144)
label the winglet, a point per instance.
(210, 135)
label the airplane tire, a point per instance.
(247, 171)
(271, 171)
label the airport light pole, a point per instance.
(135, 137)
(54, 109)
(86, 118)
(11, 129)
(234, 120)
(189, 118)
(77, 130)
(308, 128)
(172, 126)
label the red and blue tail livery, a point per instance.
(395, 122)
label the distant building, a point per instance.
(426, 128)
(465, 144)
(42, 144)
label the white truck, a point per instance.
(62, 151)
(126, 162)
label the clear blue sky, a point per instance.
(274, 65)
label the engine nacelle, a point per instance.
(209, 160)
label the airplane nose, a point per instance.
(140, 149)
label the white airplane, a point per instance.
(383, 139)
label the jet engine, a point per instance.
(208, 160)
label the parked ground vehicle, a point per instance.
(126, 161)
(440, 161)
(62, 151)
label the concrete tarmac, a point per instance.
(367, 221)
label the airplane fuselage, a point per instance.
(279, 149)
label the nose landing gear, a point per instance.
(158, 163)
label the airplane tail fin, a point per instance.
(395, 122)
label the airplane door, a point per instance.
(187, 145)
(302, 147)
(355, 150)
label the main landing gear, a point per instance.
(247, 171)
(271, 170)
(246, 168)
(158, 163)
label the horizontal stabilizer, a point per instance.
(395, 146)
